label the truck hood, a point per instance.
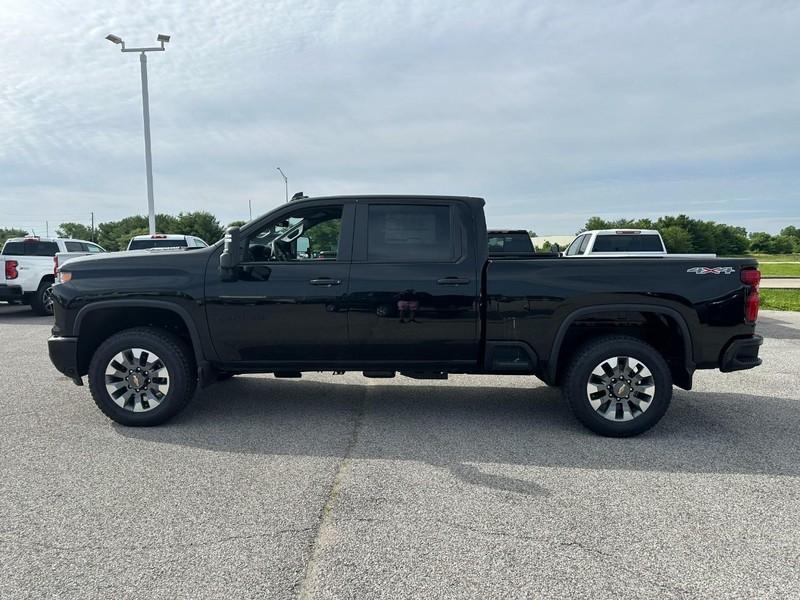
(136, 259)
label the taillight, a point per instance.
(55, 265)
(751, 277)
(11, 269)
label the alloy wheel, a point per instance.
(137, 379)
(620, 388)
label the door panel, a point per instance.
(286, 306)
(406, 304)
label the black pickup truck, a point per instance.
(387, 284)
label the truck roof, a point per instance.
(161, 236)
(471, 200)
(37, 238)
(622, 231)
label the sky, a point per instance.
(551, 111)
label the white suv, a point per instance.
(165, 240)
(29, 266)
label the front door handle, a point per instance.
(452, 281)
(326, 281)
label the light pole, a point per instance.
(285, 182)
(148, 159)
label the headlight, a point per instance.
(64, 276)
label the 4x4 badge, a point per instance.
(711, 270)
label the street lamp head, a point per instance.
(114, 38)
(162, 38)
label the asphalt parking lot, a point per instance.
(344, 487)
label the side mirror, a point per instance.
(231, 254)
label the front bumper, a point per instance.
(64, 355)
(741, 353)
(10, 292)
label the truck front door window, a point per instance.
(310, 234)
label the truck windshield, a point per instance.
(628, 243)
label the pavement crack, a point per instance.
(323, 531)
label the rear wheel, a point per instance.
(42, 299)
(618, 386)
(142, 376)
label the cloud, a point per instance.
(552, 111)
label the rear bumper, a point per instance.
(10, 292)
(741, 353)
(64, 355)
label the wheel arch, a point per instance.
(99, 320)
(682, 374)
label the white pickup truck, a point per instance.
(29, 266)
(622, 243)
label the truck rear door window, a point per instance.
(584, 243)
(399, 233)
(73, 246)
(627, 243)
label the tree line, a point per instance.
(683, 234)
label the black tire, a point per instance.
(41, 302)
(176, 357)
(577, 381)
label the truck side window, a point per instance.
(73, 246)
(308, 234)
(93, 248)
(398, 233)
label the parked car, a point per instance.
(411, 290)
(510, 242)
(29, 268)
(165, 240)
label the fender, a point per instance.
(686, 336)
(142, 303)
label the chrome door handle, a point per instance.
(326, 281)
(452, 281)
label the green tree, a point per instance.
(10, 232)
(729, 240)
(791, 231)
(677, 240)
(236, 224)
(761, 242)
(324, 237)
(75, 231)
(783, 244)
(201, 224)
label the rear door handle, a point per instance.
(326, 281)
(452, 281)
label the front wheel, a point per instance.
(618, 386)
(142, 376)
